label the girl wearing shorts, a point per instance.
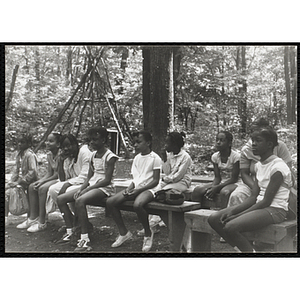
(226, 170)
(97, 186)
(268, 203)
(145, 170)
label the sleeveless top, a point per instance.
(99, 166)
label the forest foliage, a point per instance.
(210, 83)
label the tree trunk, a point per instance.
(12, 86)
(287, 86)
(242, 89)
(125, 54)
(244, 94)
(146, 85)
(294, 82)
(37, 70)
(69, 65)
(159, 110)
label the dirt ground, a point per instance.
(104, 234)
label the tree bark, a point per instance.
(69, 65)
(12, 87)
(242, 88)
(294, 82)
(287, 85)
(244, 93)
(146, 85)
(159, 110)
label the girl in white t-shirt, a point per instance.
(268, 202)
(226, 170)
(97, 185)
(145, 170)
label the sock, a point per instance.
(84, 236)
(69, 230)
(237, 249)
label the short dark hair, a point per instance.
(147, 136)
(73, 141)
(177, 138)
(98, 130)
(26, 137)
(228, 135)
(261, 122)
(269, 134)
(57, 136)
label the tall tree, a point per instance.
(158, 93)
(293, 81)
(243, 102)
(287, 86)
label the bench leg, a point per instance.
(201, 242)
(285, 245)
(176, 226)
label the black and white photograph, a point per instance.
(92, 92)
(151, 149)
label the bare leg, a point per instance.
(232, 231)
(199, 192)
(92, 197)
(139, 207)
(62, 202)
(112, 204)
(225, 194)
(33, 198)
(42, 196)
(6, 208)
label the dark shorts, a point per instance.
(278, 214)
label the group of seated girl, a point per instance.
(78, 176)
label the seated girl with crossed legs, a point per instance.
(97, 186)
(268, 203)
(37, 191)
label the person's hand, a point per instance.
(164, 155)
(132, 193)
(64, 188)
(225, 218)
(211, 192)
(77, 194)
(12, 184)
(37, 184)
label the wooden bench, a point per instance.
(172, 215)
(280, 235)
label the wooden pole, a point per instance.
(12, 86)
(57, 119)
(118, 126)
(112, 111)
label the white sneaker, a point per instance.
(154, 220)
(83, 245)
(121, 239)
(37, 227)
(27, 223)
(155, 229)
(148, 241)
(222, 240)
(7, 221)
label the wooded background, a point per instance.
(192, 88)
